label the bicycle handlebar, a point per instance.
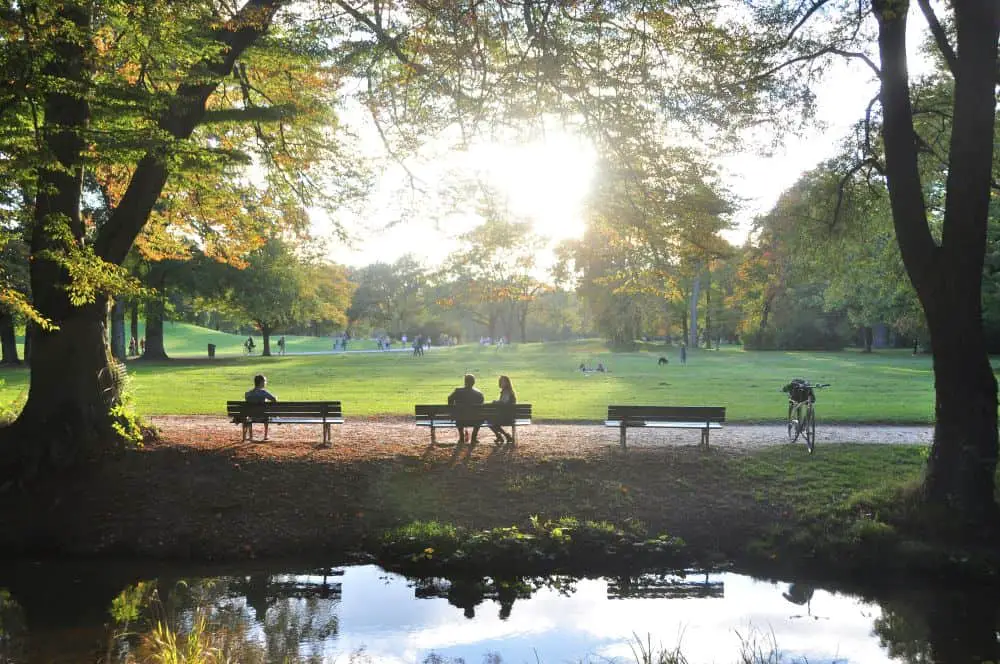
(809, 386)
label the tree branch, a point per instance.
(185, 111)
(827, 50)
(842, 185)
(940, 37)
(802, 21)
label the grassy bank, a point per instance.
(889, 386)
(397, 499)
(842, 508)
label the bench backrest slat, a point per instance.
(329, 409)
(495, 413)
(668, 413)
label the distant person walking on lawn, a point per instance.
(466, 396)
(249, 345)
(508, 398)
(281, 345)
(260, 395)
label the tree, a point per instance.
(492, 276)
(389, 296)
(112, 84)
(785, 47)
(273, 292)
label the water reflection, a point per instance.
(363, 613)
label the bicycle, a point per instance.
(802, 410)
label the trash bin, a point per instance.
(211, 350)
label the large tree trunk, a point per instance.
(134, 322)
(118, 345)
(708, 309)
(155, 310)
(959, 481)
(30, 329)
(692, 340)
(8, 340)
(154, 331)
(265, 332)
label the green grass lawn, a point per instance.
(887, 386)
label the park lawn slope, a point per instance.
(884, 387)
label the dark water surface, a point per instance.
(365, 614)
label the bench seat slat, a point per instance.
(440, 416)
(664, 424)
(286, 412)
(440, 424)
(704, 418)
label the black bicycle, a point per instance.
(802, 410)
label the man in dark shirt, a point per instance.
(467, 396)
(259, 395)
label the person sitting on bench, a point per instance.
(259, 395)
(466, 396)
(507, 397)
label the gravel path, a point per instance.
(387, 437)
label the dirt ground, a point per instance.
(387, 437)
(200, 493)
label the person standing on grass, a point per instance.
(467, 396)
(281, 345)
(507, 398)
(260, 395)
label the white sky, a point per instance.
(547, 182)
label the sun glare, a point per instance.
(545, 182)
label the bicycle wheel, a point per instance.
(793, 424)
(809, 429)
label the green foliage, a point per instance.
(491, 277)
(389, 297)
(121, 406)
(545, 545)
(798, 322)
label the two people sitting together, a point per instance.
(470, 396)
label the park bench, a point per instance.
(286, 412)
(705, 418)
(445, 416)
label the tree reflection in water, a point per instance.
(13, 629)
(256, 618)
(264, 617)
(942, 625)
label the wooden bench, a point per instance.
(286, 412)
(705, 418)
(445, 416)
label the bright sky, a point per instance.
(379, 615)
(546, 181)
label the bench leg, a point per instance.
(433, 437)
(246, 429)
(704, 438)
(621, 436)
(513, 435)
(326, 434)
